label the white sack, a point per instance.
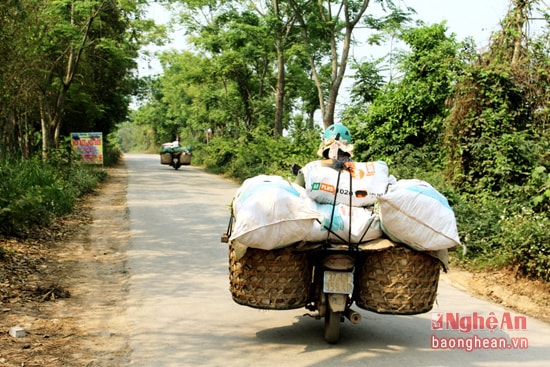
(245, 188)
(365, 225)
(369, 180)
(270, 214)
(414, 213)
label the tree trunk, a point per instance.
(46, 136)
(338, 64)
(519, 19)
(338, 71)
(280, 90)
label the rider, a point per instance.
(336, 146)
(336, 143)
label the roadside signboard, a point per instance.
(89, 145)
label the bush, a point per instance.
(478, 222)
(499, 233)
(111, 152)
(258, 152)
(33, 193)
(524, 238)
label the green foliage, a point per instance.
(218, 156)
(524, 237)
(33, 193)
(488, 155)
(472, 125)
(69, 64)
(478, 219)
(407, 113)
(493, 140)
(368, 82)
(498, 233)
(258, 152)
(538, 189)
(497, 142)
(127, 137)
(111, 151)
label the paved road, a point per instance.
(181, 312)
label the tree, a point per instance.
(65, 61)
(70, 29)
(19, 65)
(497, 133)
(280, 23)
(240, 58)
(408, 112)
(324, 21)
(327, 29)
(293, 31)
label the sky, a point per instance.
(465, 18)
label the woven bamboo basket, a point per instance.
(398, 281)
(165, 158)
(273, 280)
(185, 158)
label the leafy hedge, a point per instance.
(258, 152)
(33, 192)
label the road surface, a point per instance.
(181, 312)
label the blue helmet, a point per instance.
(337, 132)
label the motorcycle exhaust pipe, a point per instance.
(353, 316)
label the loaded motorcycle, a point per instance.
(332, 266)
(175, 156)
(327, 279)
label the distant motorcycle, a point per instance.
(176, 156)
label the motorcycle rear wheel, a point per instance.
(332, 326)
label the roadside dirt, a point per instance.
(68, 289)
